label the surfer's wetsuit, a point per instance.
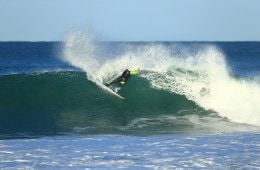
(126, 74)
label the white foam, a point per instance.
(6, 152)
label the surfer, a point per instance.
(126, 75)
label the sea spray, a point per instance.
(79, 51)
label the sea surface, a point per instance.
(194, 105)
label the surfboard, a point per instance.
(106, 88)
(113, 80)
(112, 92)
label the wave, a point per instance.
(187, 89)
(67, 102)
(201, 73)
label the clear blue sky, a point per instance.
(131, 20)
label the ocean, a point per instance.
(194, 105)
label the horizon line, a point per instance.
(143, 41)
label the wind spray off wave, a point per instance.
(200, 73)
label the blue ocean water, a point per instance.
(195, 105)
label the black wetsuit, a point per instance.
(125, 76)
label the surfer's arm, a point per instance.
(135, 72)
(122, 82)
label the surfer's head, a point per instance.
(125, 74)
(127, 71)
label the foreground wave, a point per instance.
(224, 151)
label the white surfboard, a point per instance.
(113, 80)
(104, 87)
(112, 92)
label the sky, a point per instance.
(131, 20)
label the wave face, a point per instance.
(182, 88)
(66, 102)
